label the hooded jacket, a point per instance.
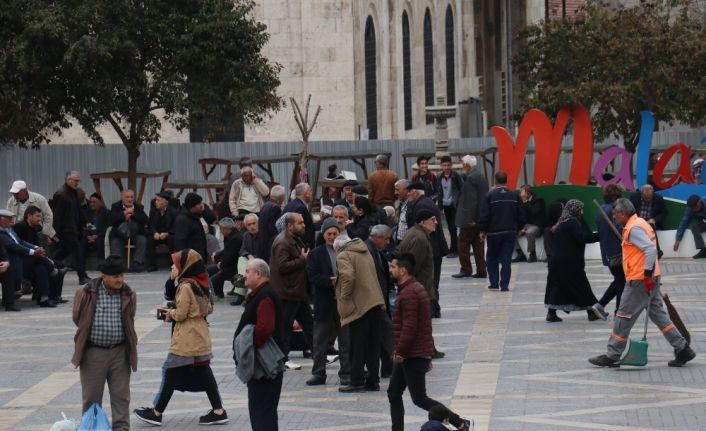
(357, 288)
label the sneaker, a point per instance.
(599, 311)
(146, 414)
(330, 359)
(701, 254)
(491, 287)
(462, 275)
(438, 354)
(292, 365)
(211, 418)
(478, 275)
(682, 357)
(604, 361)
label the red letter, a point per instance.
(683, 171)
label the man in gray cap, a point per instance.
(22, 199)
(381, 184)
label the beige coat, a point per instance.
(237, 188)
(191, 336)
(357, 288)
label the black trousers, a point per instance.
(204, 376)
(386, 344)
(219, 277)
(263, 399)
(435, 307)
(152, 248)
(450, 215)
(299, 311)
(70, 245)
(325, 333)
(365, 348)
(8, 288)
(411, 373)
(615, 290)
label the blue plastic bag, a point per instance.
(94, 419)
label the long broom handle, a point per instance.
(608, 220)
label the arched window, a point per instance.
(371, 95)
(406, 72)
(450, 60)
(428, 64)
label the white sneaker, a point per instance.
(292, 365)
(330, 359)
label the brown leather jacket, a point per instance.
(288, 268)
(84, 309)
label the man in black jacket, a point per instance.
(98, 221)
(161, 225)
(303, 195)
(418, 201)
(188, 230)
(270, 212)
(650, 206)
(225, 261)
(377, 243)
(536, 219)
(501, 217)
(321, 272)
(449, 184)
(28, 230)
(129, 220)
(69, 222)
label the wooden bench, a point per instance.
(194, 185)
(118, 175)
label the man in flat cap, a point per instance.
(106, 342)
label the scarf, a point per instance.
(572, 210)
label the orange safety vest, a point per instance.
(633, 257)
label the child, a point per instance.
(439, 420)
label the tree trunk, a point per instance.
(133, 153)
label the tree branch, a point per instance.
(118, 130)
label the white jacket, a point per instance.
(39, 201)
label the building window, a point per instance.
(428, 64)
(201, 131)
(371, 97)
(450, 60)
(406, 72)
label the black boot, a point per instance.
(552, 317)
(682, 357)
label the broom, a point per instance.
(673, 314)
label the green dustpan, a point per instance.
(636, 353)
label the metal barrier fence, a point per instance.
(44, 169)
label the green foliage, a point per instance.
(618, 62)
(121, 62)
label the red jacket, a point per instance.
(411, 322)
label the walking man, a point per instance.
(501, 217)
(695, 209)
(69, 221)
(413, 345)
(449, 184)
(642, 273)
(105, 341)
(264, 310)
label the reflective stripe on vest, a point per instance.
(633, 257)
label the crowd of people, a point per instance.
(361, 284)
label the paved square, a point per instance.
(505, 366)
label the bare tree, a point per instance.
(300, 174)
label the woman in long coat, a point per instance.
(188, 363)
(568, 288)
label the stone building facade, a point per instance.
(373, 66)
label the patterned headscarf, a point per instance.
(572, 210)
(190, 267)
